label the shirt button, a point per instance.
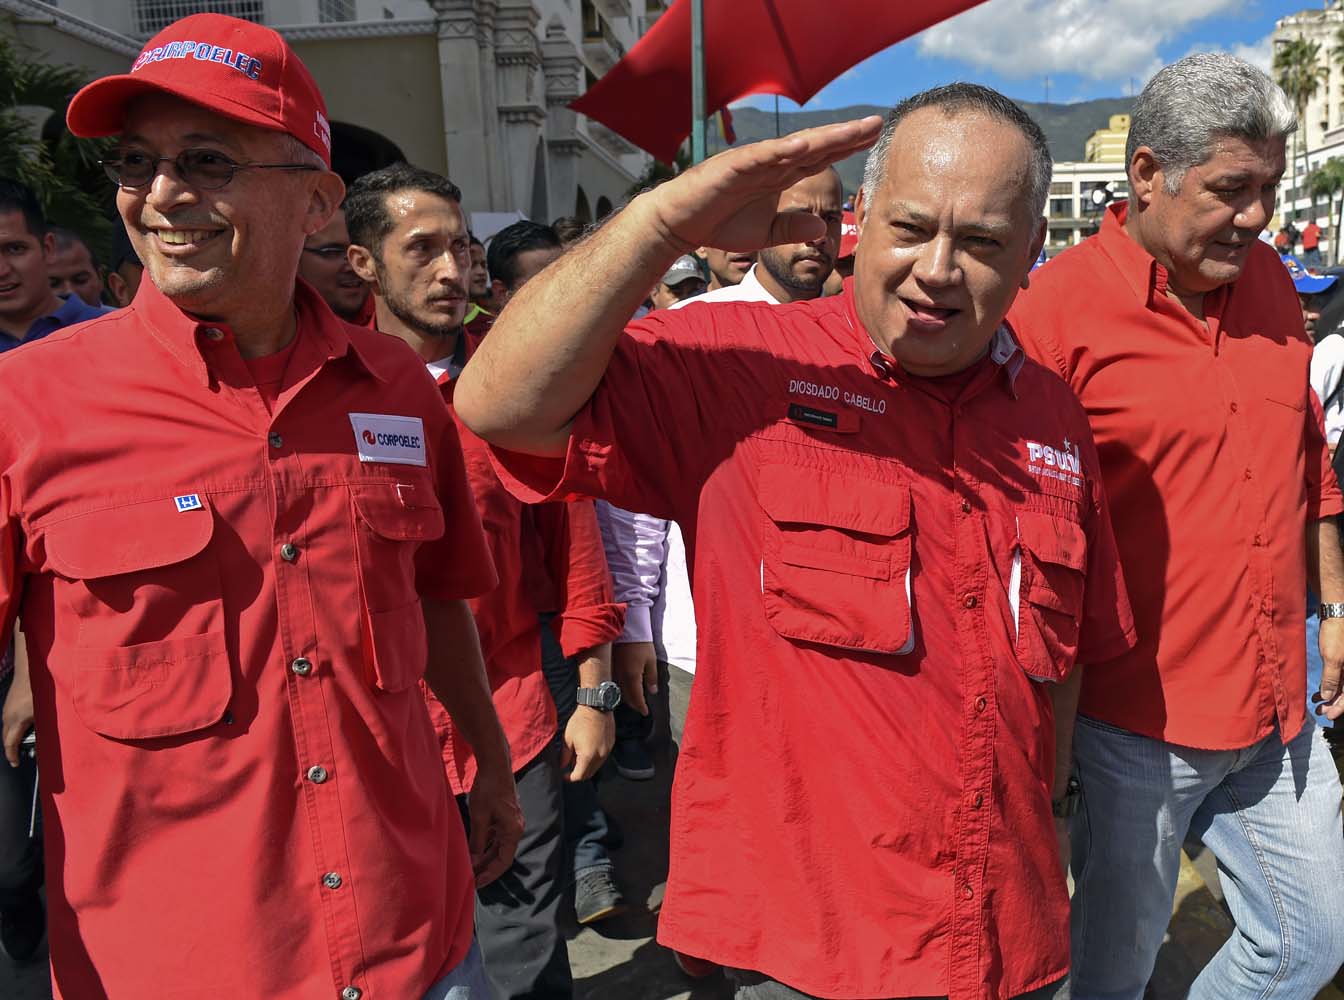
(289, 552)
(303, 667)
(275, 440)
(214, 334)
(969, 600)
(351, 993)
(978, 801)
(965, 506)
(1257, 540)
(981, 703)
(317, 774)
(332, 880)
(1233, 407)
(967, 891)
(1248, 473)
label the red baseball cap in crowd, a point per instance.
(236, 68)
(849, 234)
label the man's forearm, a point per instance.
(1325, 561)
(530, 377)
(595, 665)
(456, 674)
(1064, 698)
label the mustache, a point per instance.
(451, 292)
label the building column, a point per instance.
(521, 112)
(563, 72)
(466, 38)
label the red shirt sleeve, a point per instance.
(457, 564)
(658, 420)
(572, 546)
(1324, 498)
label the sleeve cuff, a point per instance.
(638, 624)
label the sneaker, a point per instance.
(22, 927)
(596, 896)
(695, 968)
(633, 761)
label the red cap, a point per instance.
(849, 234)
(236, 68)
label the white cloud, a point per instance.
(1115, 40)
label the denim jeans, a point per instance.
(466, 982)
(1314, 664)
(1270, 814)
(754, 986)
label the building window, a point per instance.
(1061, 207)
(333, 11)
(1061, 187)
(152, 16)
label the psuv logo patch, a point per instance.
(188, 501)
(1048, 462)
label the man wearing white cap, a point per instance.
(236, 541)
(682, 280)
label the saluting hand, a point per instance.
(729, 201)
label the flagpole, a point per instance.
(697, 81)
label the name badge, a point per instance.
(382, 437)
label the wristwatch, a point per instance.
(1067, 806)
(1330, 611)
(605, 697)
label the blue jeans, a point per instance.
(466, 982)
(1271, 816)
(1314, 663)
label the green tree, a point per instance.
(1299, 70)
(1327, 182)
(36, 148)
(657, 171)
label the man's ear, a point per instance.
(1037, 244)
(499, 292)
(326, 197)
(361, 262)
(1145, 176)
(48, 245)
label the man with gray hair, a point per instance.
(899, 547)
(1193, 366)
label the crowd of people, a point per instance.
(340, 550)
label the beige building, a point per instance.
(1074, 210)
(1107, 145)
(1325, 111)
(476, 89)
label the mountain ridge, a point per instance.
(1066, 126)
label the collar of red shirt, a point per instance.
(1004, 349)
(181, 333)
(1136, 265)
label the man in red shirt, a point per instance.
(1311, 245)
(411, 245)
(325, 266)
(1181, 333)
(898, 541)
(237, 532)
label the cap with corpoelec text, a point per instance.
(238, 69)
(849, 235)
(682, 268)
(1304, 281)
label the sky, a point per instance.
(1085, 48)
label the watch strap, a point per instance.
(1327, 610)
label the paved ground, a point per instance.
(620, 961)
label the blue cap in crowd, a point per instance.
(1304, 281)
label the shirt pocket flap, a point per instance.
(1053, 539)
(127, 539)
(400, 512)
(793, 494)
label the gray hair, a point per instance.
(953, 99)
(1191, 104)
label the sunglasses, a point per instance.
(204, 169)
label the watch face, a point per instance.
(609, 693)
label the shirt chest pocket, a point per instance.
(835, 558)
(391, 521)
(145, 656)
(1046, 592)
